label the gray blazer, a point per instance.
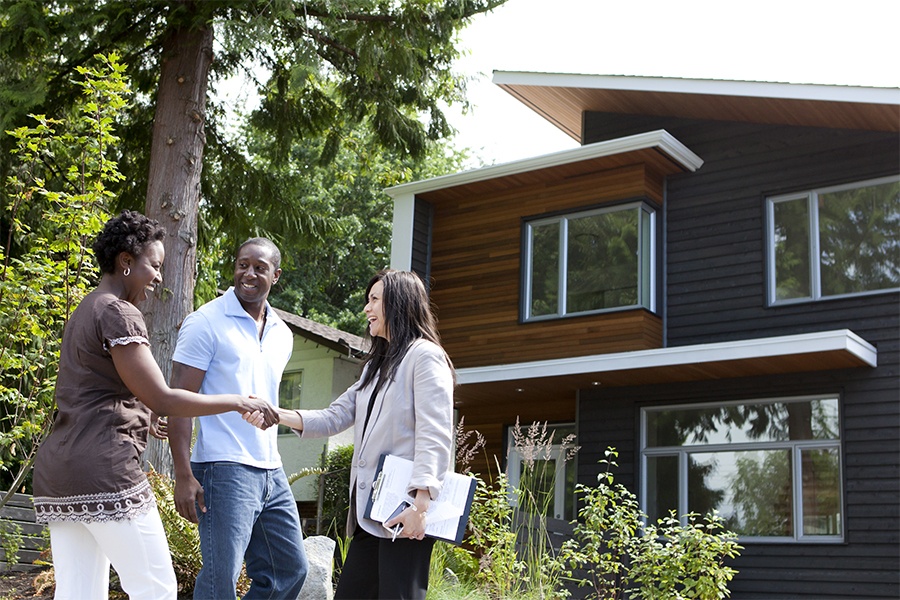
(412, 418)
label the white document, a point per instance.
(447, 514)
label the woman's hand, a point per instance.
(412, 518)
(255, 418)
(412, 522)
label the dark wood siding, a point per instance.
(866, 564)
(715, 291)
(421, 245)
(715, 220)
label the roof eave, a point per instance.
(659, 139)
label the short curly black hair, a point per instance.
(129, 232)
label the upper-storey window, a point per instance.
(835, 241)
(589, 262)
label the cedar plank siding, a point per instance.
(476, 271)
(475, 274)
(716, 291)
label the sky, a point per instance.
(833, 42)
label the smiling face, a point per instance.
(145, 272)
(254, 274)
(374, 309)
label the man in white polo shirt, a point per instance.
(233, 484)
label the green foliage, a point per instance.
(10, 541)
(610, 518)
(336, 482)
(493, 538)
(304, 472)
(351, 96)
(675, 561)
(342, 206)
(56, 203)
(622, 555)
(452, 574)
(611, 550)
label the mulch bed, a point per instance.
(18, 585)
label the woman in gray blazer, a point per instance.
(401, 405)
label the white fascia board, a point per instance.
(402, 232)
(825, 341)
(660, 139)
(715, 87)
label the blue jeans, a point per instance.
(250, 517)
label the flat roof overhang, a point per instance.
(552, 379)
(563, 98)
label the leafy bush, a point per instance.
(613, 550)
(335, 499)
(622, 554)
(54, 205)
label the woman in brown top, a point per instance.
(88, 482)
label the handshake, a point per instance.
(259, 412)
(263, 418)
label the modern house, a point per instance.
(709, 284)
(325, 362)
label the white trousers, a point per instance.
(137, 549)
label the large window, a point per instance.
(771, 468)
(289, 394)
(589, 262)
(835, 241)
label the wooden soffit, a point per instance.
(562, 99)
(553, 379)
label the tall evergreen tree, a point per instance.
(332, 66)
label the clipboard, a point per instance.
(448, 514)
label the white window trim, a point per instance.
(797, 475)
(814, 254)
(563, 220)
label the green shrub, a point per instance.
(10, 541)
(54, 204)
(618, 553)
(335, 484)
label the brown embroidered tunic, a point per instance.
(89, 468)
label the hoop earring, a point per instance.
(127, 271)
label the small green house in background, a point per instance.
(325, 362)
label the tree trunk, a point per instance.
(173, 194)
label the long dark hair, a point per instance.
(407, 310)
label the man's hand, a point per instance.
(159, 427)
(188, 496)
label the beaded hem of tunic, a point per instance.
(94, 508)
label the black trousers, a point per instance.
(378, 568)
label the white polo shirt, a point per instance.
(221, 339)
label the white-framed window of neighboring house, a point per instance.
(289, 395)
(589, 262)
(771, 468)
(544, 470)
(835, 241)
